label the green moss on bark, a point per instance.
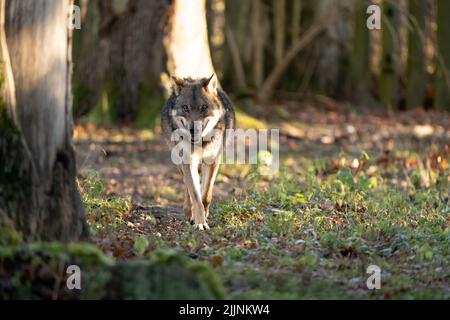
(15, 172)
(38, 271)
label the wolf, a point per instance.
(202, 113)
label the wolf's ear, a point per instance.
(178, 84)
(211, 84)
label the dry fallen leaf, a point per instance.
(216, 261)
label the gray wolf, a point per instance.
(203, 113)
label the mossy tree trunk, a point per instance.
(443, 81)
(416, 77)
(360, 62)
(38, 193)
(390, 56)
(257, 38)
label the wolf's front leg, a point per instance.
(209, 174)
(187, 206)
(192, 182)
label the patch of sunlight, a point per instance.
(245, 121)
(169, 193)
(147, 135)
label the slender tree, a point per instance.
(296, 19)
(257, 36)
(186, 42)
(443, 78)
(360, 62)
(279, 28)
(416, 75)
(390, 58)
(38, 193)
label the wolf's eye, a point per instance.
(204, 108)
(185, 108)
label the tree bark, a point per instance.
(38, 192)
(390, 59)
(360, 63)
(443, 76)
(296, 19)
(186, 42)
(416, 75)
(236, 35)
(257, 34)
(119, 55)
(279, 28)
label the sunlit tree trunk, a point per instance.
(415, 82)
(443, 81)
(38, 193)
(186, 43)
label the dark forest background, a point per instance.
(267, 51)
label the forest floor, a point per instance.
(353, 190)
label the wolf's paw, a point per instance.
(201, 226)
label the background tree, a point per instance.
(273, 49)
(38, 193)
(186, 41)
(361, 44)
(119, 56)
(388, 82)
(416, 73)
(125, 48)
(443, 76)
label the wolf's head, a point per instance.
(197, 108)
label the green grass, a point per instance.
(312, 230)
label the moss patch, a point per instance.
(38, 271)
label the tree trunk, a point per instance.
(270, 83)
(390, 58)
(257, 34)
(236, 35)
(296, 19)
(415, 82)
(360, 61)
(279, 28)
(119, 56)
(38, 192)
(89, 57)
(186, 43)
(443, 78)
(133, 33)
